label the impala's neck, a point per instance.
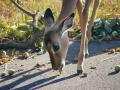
(68, 7)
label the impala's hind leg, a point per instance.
(91, 22)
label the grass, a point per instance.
(107, 9)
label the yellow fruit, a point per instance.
(117, 49)
(5, 60)
(3, 74)
(26, 54)
(4, 54)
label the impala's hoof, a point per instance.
(79, 72)
(61, 68)
(86, 55)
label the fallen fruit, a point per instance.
(92, 67)
(117, 49)
(11, 72)
(4, 54)
(117, 68)
(5, 60)
(26, 55)
(111, 51)
(40, 65)
(105, 50)
(21, 65)
(3, 74)
(115, 34)
(83, 75)
(1, 63)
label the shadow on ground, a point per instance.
(95, 48)
(42, 82)
(21, 79)
(39, 83)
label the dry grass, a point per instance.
(9, 13)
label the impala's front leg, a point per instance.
(83, 22)
(91, 22)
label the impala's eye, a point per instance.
(56, 47)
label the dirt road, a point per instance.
(99, 68)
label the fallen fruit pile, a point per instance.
(102, 30)
(106, 29)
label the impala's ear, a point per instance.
(48, 17)
(67, 23)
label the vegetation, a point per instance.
(15, 25)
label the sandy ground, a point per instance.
(102, 78)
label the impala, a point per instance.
(56, 32)
(56, 38)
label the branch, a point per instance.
(34, 15)
(13, 44)
(22, 9)
(38, 17)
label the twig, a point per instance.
(22, 9)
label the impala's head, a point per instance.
(52, 37)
